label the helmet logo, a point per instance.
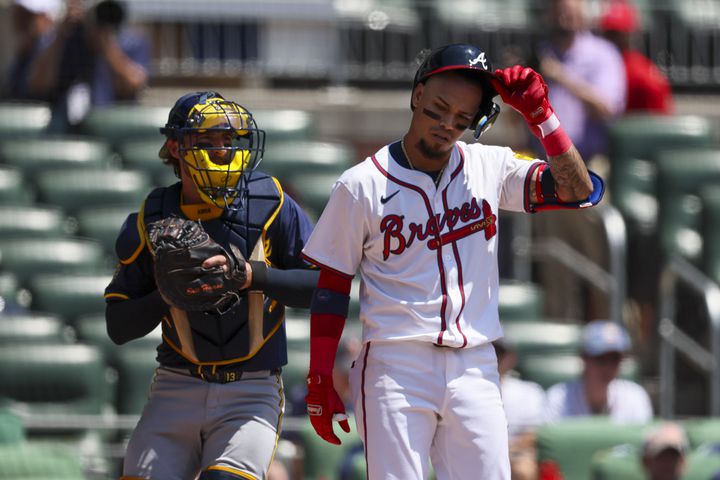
(479, 59)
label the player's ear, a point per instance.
(417, 94)
(173, 148)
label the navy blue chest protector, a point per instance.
(252, 332)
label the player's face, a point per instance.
(216, 143)
(444, 108)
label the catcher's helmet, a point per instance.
(218, 140)
(467, 58)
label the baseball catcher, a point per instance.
(214, 259)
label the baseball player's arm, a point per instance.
(567, 181)
(327, 320)
(134, 318)
(571, 177)
(134, 306)
(293, 288)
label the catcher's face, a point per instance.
(445, 106)
(219, 144)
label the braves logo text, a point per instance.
(474, 217)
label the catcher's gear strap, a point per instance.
(326, 328)
(292, 287)
(548, 199)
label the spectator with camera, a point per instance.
(91, 61)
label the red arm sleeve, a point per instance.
(326, 328)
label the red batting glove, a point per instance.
(525, 90)
(323, 403)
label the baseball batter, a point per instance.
(216, 403)
(419, 220)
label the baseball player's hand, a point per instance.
(524, 90)
(323, 406)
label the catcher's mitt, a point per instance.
(180, 247)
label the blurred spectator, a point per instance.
(663, 452)
(277, 471)
(586, 78)
(585, 74)
(92, 60)
(525, 407)
(32, 22)
(599, 391)
(648, 90)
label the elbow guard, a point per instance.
(550, 201)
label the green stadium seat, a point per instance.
(681, 177)
(70, 296)
(572, 444)
(34, 328)
(285, 159)
(33, 221)
(120, 123)
(520, 301)
(103, 223)
(27, 257)
(12, 295)
(143, 155)
(703, 463)
(11, 428)
(313, 189)
(322, 460)
(702, 430)
(541, 336)
(30, 461)
(634, 142)
(280, 125)
(81, 189)
(549, 368)
(14, 190)
(57, 153)
(23, 119)
(56, 379)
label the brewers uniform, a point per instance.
(216, 403)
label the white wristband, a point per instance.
(549, 125)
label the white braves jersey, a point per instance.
(427, 256)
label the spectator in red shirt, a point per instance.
(648, 88)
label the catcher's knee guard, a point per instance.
(225, 473)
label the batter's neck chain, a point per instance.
(412, 167)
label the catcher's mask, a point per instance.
(468, 58)
(219, 142)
